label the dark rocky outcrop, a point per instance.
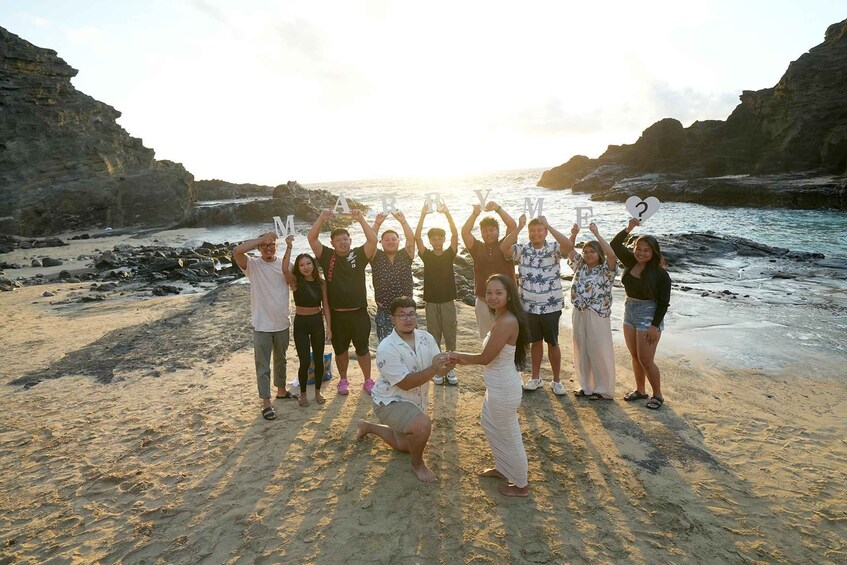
(782, 146)
(64, 161)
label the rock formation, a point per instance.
(782, 146)
(64, 161)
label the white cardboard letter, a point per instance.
(286, 229)
(482, 199)
(388, 203)
(583, 218)
(533, 211)
(343, 202)
(433, 202)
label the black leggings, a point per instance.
(309, 332)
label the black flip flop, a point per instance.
(580, 392)
(597, 396)
(289, 396)
(635, 395)
(655, 403)
(268, 413)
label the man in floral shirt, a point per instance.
(539, 268)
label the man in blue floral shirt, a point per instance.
(539, 268)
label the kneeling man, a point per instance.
(406, 359)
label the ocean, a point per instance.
(774, 322)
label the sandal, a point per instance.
(596, 396)
(580, 392)
(635, 395)
(289, 395)
(655, 403)
(268, 413)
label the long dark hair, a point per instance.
(316, 273)
(650, 274)
(513, 305)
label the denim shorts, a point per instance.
(639, 314)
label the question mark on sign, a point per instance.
(642, 206)
(642, 209)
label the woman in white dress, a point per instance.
(503, 354)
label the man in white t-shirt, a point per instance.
(407, 359)
(269, 309)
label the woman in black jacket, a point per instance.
(648, 294)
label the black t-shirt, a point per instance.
(345, 277)
(439, 283)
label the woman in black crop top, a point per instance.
(311, 308)
(648, 294)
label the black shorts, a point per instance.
(544, 326)
(351, 326)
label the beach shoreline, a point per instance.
(148, 447)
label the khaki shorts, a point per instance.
(397, 415)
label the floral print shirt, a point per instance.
(592, 288)
(541, 283)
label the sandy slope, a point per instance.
(170, 461)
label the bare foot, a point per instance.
(361, 430)
(304, 402)
(492, 473)
(512, 490)
(319, 398)
(424, 473)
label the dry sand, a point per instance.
(150, 448)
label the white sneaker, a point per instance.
(452, 378)
(558, 388)
(438, 379)
(533, 384)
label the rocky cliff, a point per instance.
(782, 146)
(64, 161)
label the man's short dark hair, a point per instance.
(489, 222)
(436, 232)
(386, 232)
(338, 231)
(402, 302)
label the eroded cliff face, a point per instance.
(793, 136)
(64, 161)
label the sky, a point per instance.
(267, 91)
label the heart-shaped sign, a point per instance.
(642, 209)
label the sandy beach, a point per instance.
(144, 444)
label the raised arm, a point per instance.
(611, 259)
(565, 243)
(370, 234)
(467, 236)
(507, 219)
(315, 232)
(625, 255)
(407, 233)
(572, 238)
(239, 252)
(507, 245)
(286, 262)
(378, 222)
(454, 234)
(419, 230)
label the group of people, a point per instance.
(515, 317)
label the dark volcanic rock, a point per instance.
(64, 161)
(792, 137)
